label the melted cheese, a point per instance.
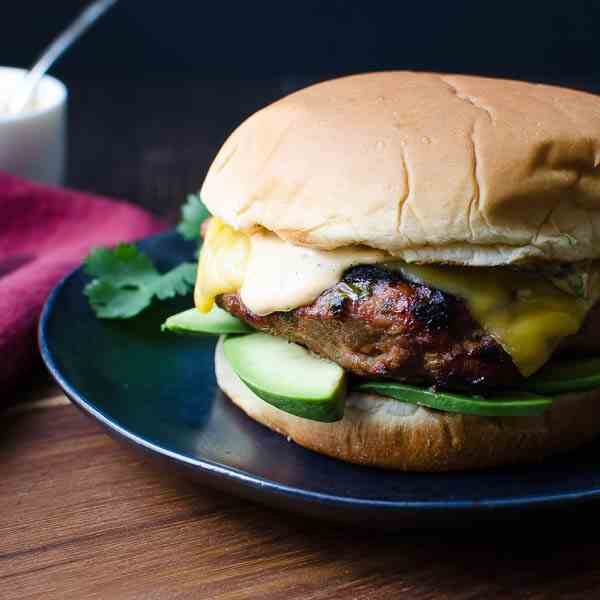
(222, 264)
(524, 312)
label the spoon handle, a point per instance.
(55, 50)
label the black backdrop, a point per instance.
(158, 85)
(549, 39)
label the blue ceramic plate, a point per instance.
(158, 392)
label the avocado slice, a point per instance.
(560, 376)
(215, 322)
(288, 376)
(512, 404)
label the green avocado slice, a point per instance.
(288, 376)
(560, 376)
(215, 322)
(511, 404)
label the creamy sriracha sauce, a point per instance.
(285, 276)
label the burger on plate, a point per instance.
(403, 268)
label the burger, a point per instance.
(403, 268)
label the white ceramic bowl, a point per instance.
(33, 142)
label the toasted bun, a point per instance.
(431, 168)
(386, 433)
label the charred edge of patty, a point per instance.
(431, 307)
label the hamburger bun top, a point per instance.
(428, 167)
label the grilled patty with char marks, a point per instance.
(375, 323)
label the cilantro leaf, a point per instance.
(178, 281)
(120, 265)
(112, 302)
(126, 281)
(193, 214)
(571, 241)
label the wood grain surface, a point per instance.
(83, 517)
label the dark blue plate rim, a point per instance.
(268, 486)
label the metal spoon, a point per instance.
(22, 95)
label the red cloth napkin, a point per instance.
(44, 233)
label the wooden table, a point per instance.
(83, 517)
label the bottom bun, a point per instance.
(382, 432)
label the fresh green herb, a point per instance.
(579, 279)
(126, 281)
(571, 241)
(193, 214)
(336, 297)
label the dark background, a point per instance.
(264, 39)
(157, 85)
